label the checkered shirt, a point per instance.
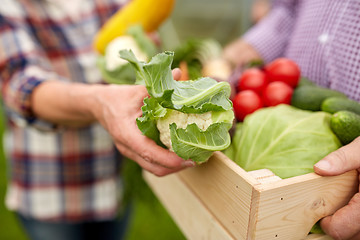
(322, 36)
(67, 175)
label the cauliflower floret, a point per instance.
(203, 121)
(113, 60)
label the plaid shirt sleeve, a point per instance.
(23, 66)
(269, 37)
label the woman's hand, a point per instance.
(344, 223)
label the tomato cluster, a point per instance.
(264, 87)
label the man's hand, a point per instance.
(239, 53)
(344, 223)
(116, 107)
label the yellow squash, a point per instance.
(148, 13)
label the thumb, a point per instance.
(343, 224)
(340, 161)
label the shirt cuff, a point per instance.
(17, 98)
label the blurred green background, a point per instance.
(223, 20)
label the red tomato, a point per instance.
(252, 79)
(246, 102)
(284, 70)
(276, 93)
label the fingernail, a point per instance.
(323, 165)
(189, 164)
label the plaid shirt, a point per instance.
(72, 174)
(322, 36)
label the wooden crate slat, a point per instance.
(219, 200)
(318, 237)
(225, 189)
(195, 221)
(289, 208)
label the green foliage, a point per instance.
(197, 145)
(150, 219)
(196, 52)
(8, 222)
(135, 187)
(199, 96)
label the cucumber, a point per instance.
(304, 81)
(345, 125)
(335, 104)
(311, 97)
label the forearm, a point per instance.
(66, 104)
(116, 108)
(267, 39)
(239, 53)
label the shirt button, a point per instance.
(323, 38)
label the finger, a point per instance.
(152, 167)
(176, 73)
(155, 169)
(141, 91)
(340, 161)
(355, 237)
(152, 152)
(345, 223)
(148, 150)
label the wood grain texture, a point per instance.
(225, 189)
(219, 200)
(287, 209)
(189, 213)
(318, 237)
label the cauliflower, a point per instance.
(203, 121)
(201, 109)
(112, 58)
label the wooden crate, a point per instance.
(219, 200)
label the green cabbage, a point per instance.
(284, 139)
(168, 96)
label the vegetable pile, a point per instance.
(286, 123)
(201, 58)
(345, 119)
(192, 118)
(264, 87)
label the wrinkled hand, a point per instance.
(117, 109)
(240, 52)
(344, 223)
